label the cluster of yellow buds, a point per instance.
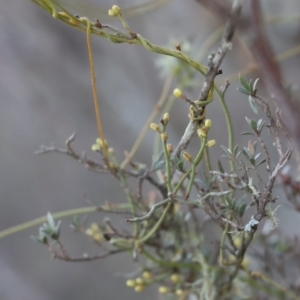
(114, 11)
(202, 132)
(140, 283)
(175, 278)
(95, 232)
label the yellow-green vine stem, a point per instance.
(59, 215)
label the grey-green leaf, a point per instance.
(243, 91)
(244, 82)
(253, 105)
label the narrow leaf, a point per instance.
(245, 152)
(251, 148)
(50, 220)
(221, 169)
(235, 150)
(242, 209)
(244, 83)
(243, 91)
(261, 162)
(255, 86)
(257, 156)
(227, 151)
(228, 201)
(253, 105)
(253, 124)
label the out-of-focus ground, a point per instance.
(45, 95)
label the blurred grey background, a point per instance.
(45, 96)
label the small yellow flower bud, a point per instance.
(164, 136)
(202, 133)
(131, 283)
(155, 127)
(187, 156)
(245, 263)
(175, 278)
(163, 290)
(98, 237)
(211, 143)
(140, 281)
(89, 231)
(207, 124)
(232, 259)
(95, 232)
(139, 288)
(94, 226)
(116, 9)
(237, 242)
(166, 118)
(177, 93)
(111, 13)
(95, 147)
(147, 275)
(102, 144)
(111, 150)
(169, 148)
(179, 292)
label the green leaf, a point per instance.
(237, 156)
(247, 133)
(246, 153)
(46, 230)
(261, 162)
(228, 201)
(221, 169)
(244, 83)
(242, 209)
(248, 120)
(159, 158)
(235, 150)
(40, 239)
(158, 165)
(254, 88)
(255, 145)
(250, 85)
(178, 162)
(260, 125)
(50, 220)
(257, 156)
(253, 124)
(243, 91)
(226, 150)
(253, 105)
